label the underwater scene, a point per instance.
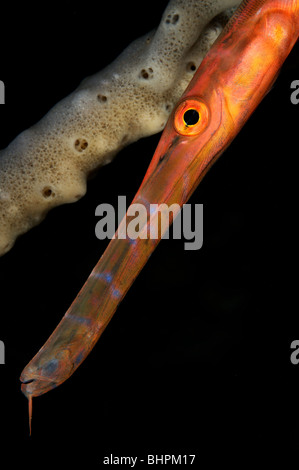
(148, 252)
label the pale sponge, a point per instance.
(48, 164)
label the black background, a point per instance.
(197, 358)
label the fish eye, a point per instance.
(191, 116)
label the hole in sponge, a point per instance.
(48, 192)
(81, 144)
(191, 66)
(172, 19)
(102, 98)
(147, 73)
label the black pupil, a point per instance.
(191, 117)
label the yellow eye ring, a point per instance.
(191, 117)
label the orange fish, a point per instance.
(232, 80)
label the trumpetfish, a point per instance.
(238, 71)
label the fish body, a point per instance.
(230, 83)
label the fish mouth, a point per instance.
(27, 386)
(35, 386)
(25, 382)
(34, 378)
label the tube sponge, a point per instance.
(48, 164)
